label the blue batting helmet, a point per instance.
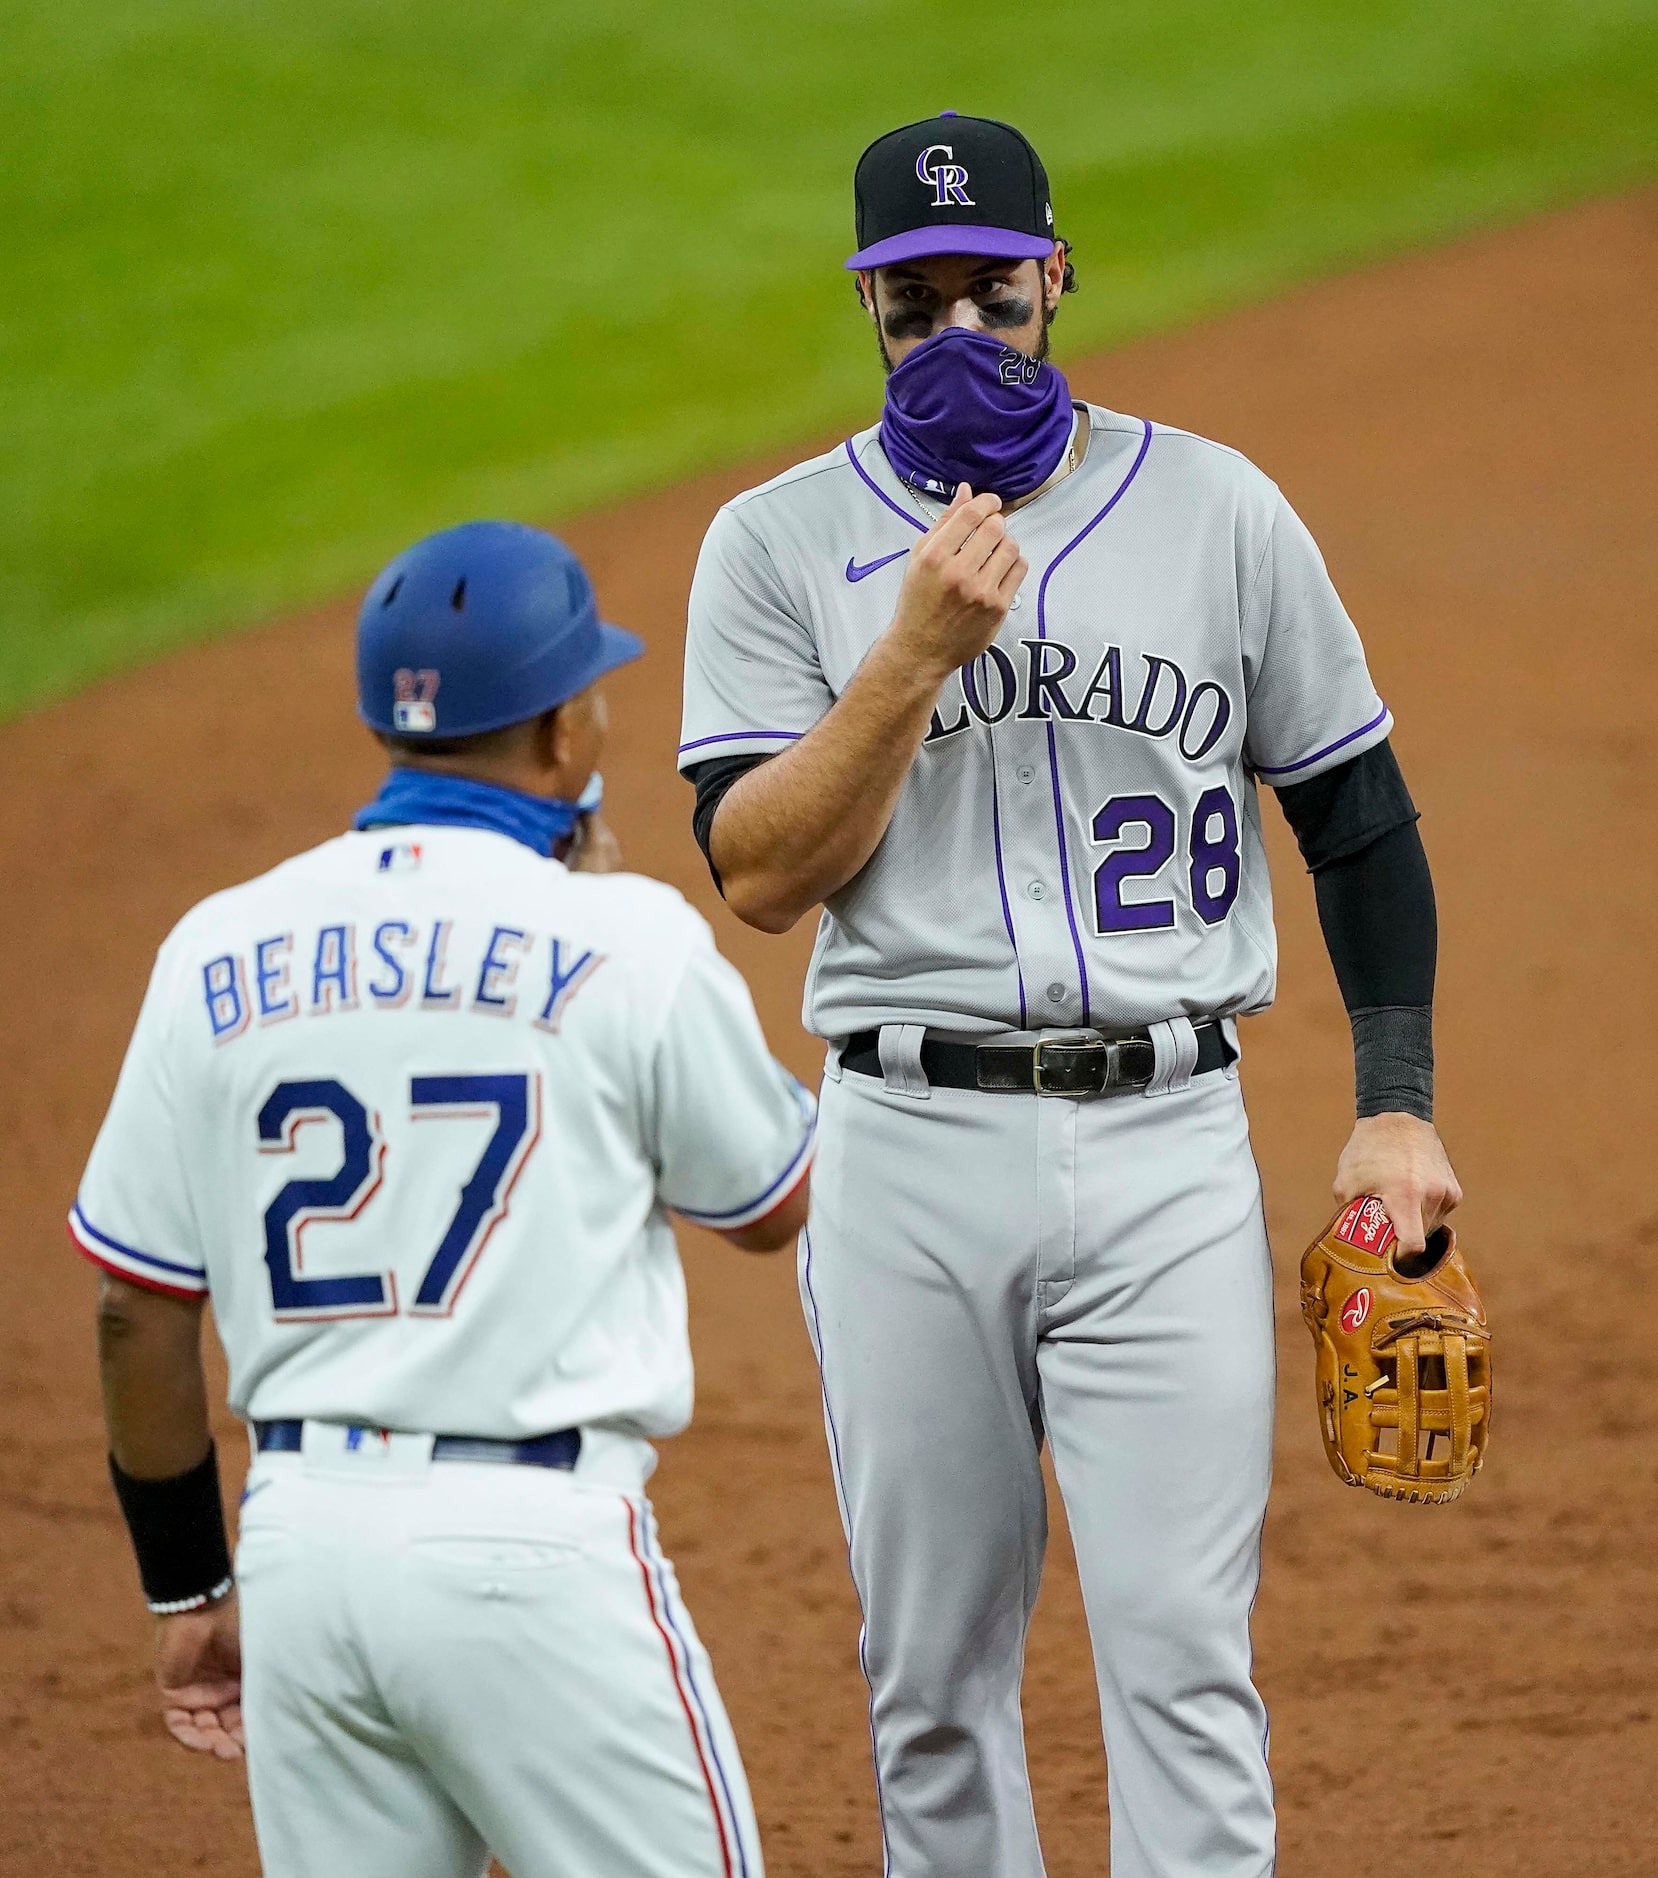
(478, 627)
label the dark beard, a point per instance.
(1043, 344)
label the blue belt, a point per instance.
(561, 1449)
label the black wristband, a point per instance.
(1393, 1060)
(178, 1532)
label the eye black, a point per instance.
(907, 322)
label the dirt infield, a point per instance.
(1471, 1691)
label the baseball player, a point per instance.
(995, 682)
(412, 1110)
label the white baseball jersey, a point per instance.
(412, 1107)
(1078, 841)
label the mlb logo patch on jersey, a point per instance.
(1366, 1226)
(402, 857)
(358, 1453)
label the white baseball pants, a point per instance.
(981, 1271)
(446, 1660)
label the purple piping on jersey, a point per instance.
(846, 1516)
(653, 1550)
(129, 1251)
(1285, 769)
(1065, 871)
(995, 811)
(1076, 541)
(880, 494)
(741, 736)
(735, 1217)
(1001, 879)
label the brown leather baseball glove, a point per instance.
(1404, 1358)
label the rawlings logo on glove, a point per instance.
(1365, 1225)
(1404, 1358)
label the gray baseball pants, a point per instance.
(982, 1272)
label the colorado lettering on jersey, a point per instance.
(399, 966)
(1033, 686)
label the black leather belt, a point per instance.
(562, 1449)
(1068, 1063)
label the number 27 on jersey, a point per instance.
(513, 1100)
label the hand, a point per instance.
(198, 1669)
(960, 582)
(1402, 1161)
(593, 848)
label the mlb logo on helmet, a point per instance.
(414, 700)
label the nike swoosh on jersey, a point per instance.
(855, 572)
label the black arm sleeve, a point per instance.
(1356, 828)
(711, 780)
(1380, 923)
(1348, 807)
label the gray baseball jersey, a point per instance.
(1078, 841)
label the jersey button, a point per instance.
(1037, 891)
(1056, 994)
(1025, 773)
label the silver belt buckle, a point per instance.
(1074, 1063)
(1082, 1063)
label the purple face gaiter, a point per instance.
(965, 408)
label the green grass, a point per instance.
(286, 285)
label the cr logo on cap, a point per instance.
(948, 180)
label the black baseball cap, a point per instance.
(951, 185)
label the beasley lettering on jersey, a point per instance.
(406, 966)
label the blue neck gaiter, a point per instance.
(410, 795)
(965, 408)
